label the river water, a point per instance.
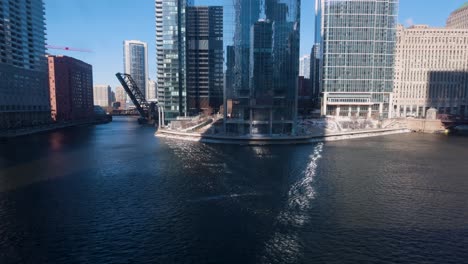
(116, 194)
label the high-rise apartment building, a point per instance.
(459, 18)
(431, 71)
(24, 94)
(357, 42)
(205, 79)
(136, 64)
(71, 89)
(304, 66)
(171, 56)
(102, 95)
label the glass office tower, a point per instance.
(262, 67)
(260, 41)
(357, 47)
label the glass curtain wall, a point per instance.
(261, 64)
(205, 78)
(170, 49)
(138, 65)
(358, 41)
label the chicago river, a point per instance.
(114, 193)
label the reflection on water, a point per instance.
(284, 245)
(116, 194)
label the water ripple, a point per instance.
(285, 243)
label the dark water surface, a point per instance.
(116, 194)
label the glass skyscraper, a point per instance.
(205, 79)
(262, 67)
(260, 45)
(136, 64)
(171, 56)
(357, 51)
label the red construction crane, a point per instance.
(67, 48)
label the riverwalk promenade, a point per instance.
(277, 140)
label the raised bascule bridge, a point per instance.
(148, 111)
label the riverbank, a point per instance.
(48, 128)
(276, 140)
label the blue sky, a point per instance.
(103, 25)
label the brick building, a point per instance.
(71, 89)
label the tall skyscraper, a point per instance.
(431, 71)
(357, 40)
(260, 41)
(459, 18)
(71, 89)
(24, 93)
(171, 56)
(264, 66)
(136, 64)
(304, 66)
(205, 79)
(261, 59)
(102, 95)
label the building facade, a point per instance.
(304, 66)
(459, 18)
(205, 79)
(121, 97)
(305, 100)
(136, 64)
(24, 94)
(70, 89)
(102, 95)
(262, 40)
(171, 56)
(431, 71)
(357, 50)
(152, 90)
(315, 73)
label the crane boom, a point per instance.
(67, 48)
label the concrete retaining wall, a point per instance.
(425, 126)
(249, 140)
